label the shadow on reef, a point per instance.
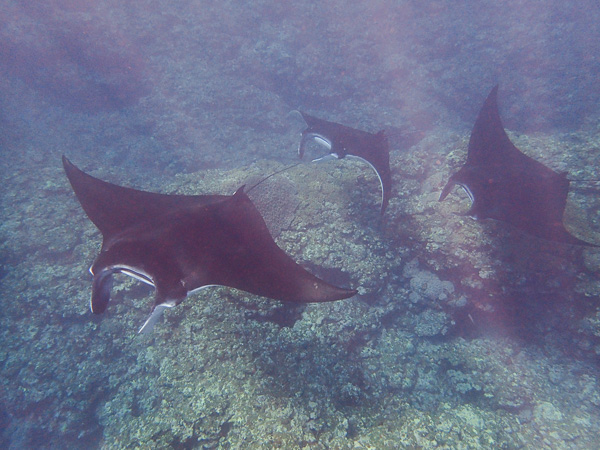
(530, 293)
(326, 371)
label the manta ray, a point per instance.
(182, 243)
(343, 141)
(506, 185)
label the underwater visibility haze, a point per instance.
(405, 322)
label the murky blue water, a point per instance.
(464, 333)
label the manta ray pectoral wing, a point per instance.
(383, 190)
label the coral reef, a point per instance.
(226, 368)
(464, 334)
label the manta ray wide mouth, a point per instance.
(138, 275)
(358, 158)
(323, 141)
(468, 191)
(133, 272)
(327, 157)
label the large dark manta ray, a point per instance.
(506, 185)
(343, 141)
(182, 243)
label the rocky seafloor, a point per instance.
(464, 333)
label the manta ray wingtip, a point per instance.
(240, 191)
(67, 164)
(338, 293)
